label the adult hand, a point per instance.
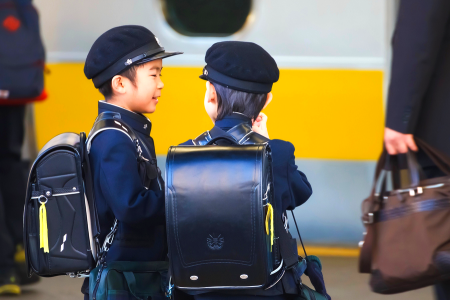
(397, 142)
(260, 125)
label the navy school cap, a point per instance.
(242, 66)
(120, 47)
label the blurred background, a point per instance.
(334, 58)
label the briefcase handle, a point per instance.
(388, 162)
(379, 183)
(415, 170)
(441, 160)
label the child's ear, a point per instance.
(211, 90)
(269, 99)
(118, 85)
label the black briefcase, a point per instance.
(218, 205)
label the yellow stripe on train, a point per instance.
(326, 114)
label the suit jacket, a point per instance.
(419, 91)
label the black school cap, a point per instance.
(241, 66)
(120, 47)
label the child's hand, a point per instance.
(260, 125)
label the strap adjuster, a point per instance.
(369, 219)
(298, 269)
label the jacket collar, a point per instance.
(137, 121)
(232, 120)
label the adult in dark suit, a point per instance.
(419, 91)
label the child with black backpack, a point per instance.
(125, 65)
(239, 79)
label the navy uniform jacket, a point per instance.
(292, 188)
(120, 193)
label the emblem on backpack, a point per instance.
(215, 243)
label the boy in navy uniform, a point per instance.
(125, 65)
(239, 82)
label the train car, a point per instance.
(328, 101)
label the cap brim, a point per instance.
(160, 55)
(234, 83)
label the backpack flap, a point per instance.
(216, 216)
(56, 220)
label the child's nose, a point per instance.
(160, 84)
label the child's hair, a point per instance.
(229, 101)
(130, 73)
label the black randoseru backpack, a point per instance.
(60, 218)
(22, 55)
(219, 214)
(61, 226)
(223, 228)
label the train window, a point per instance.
(207, 17)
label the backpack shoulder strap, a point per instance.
(242, 133)
(202, 139)
(109, 121)
(112, 121)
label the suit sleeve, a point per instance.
(419, 33)
(121, 184)
(291, 185)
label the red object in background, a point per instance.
(41, 97)
(11, 23)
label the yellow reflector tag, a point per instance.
(43, 230)
(269, 217)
